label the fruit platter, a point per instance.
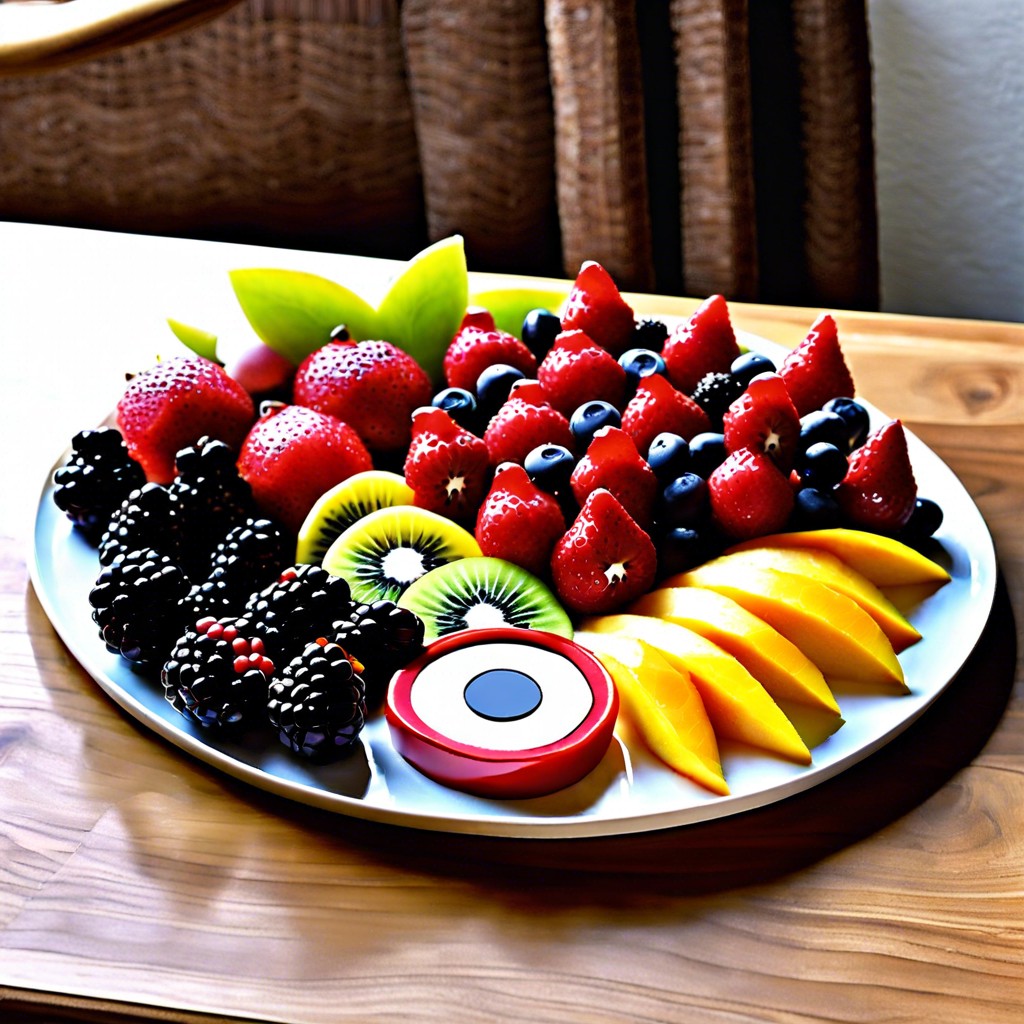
(518, 562)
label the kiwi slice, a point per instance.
(341, 506)
(384, 552)
(477, 593)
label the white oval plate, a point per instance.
(629, 791)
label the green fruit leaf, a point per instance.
(294, 312)
(425, 303)
(203, 343)
(509, 306)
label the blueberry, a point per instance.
(683, 502)
(858, 422)
(589, 418)
(639, 363)
(668, 456)
(924, 521)
(493, 386)
(550, 466)
(815, 510)
(707, 453)
(823, 427)
(460, 405)
(822, 466)
(747, 366)
(540, 328)
(682, 548)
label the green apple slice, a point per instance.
(294, 312)
(425, 303)
(509, 306)
(203, 343)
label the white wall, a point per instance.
(949, 133)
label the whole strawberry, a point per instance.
(815, 371)
(595, 306)
(292, 455)
(612, 462)
(172, 405)
(447, 467)
(604, 559)
(706, 343)
(879, 490)
(658, 408)
(764, 419)
(525, 421)
(478, 344)
(518, 521)
(749, 495)
(373, 386)
(578, 370)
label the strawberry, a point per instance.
(764, 419)
(478, 344)
(292, 455)
(174, 404)
(613, 463)
(879, 491)
(447, 467)
(750, 496)
(604, 559)
(524, 421)
(518, 521)
(578, 370)
(372, 385)
(658, 408)
(815, 371)
(595, 306)
(705, 344)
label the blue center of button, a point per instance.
(502, 694)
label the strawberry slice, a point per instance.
(764, 419)
(815, 371)
(750, 496)
(706, 343)
(879, 490)
(604, 559)
(447, 467)
(524, 421)
(595, 306)
(578, 370)
(612, 462)
(292, 455)
(174, 404)
(658, 408)
(478, 344)
(518, 521)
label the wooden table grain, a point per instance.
(138, 884)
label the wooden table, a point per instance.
(136, 884)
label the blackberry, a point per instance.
(714, 393)
(214, 596)
(211, 499)
(300, 606)
(318, 705)
(146, 519)
(97, 476)
(135, 604)
(649, 334)
(218, 675)
(383, 637)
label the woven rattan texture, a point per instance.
(292, 115)
(482, 100)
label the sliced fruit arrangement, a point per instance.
(730, 537)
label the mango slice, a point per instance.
(778, 664)
(826, 568)
(829, 627)
(884, 561)
(660, 706)
(738, 706)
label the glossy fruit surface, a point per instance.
(706, 343)
(595, 306)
